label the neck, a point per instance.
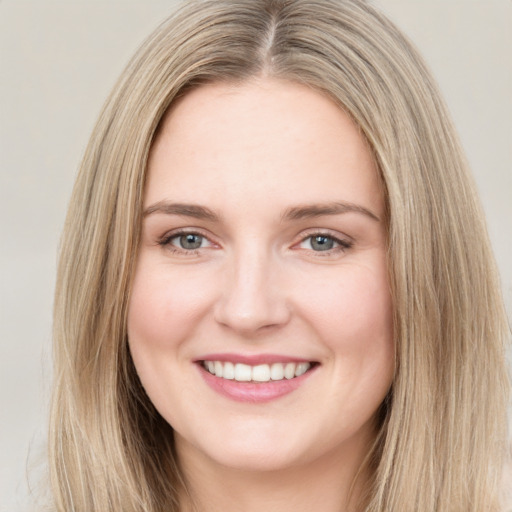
(329, 484)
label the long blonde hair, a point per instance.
(443, 428)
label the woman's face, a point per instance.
(260, 320)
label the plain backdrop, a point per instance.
(59, 60)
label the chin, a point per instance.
(260, 452)
(257, 460)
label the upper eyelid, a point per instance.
(185, 231)
(324, 232)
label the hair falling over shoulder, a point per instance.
(443, 432)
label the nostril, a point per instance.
(251, 316)
(252, 298)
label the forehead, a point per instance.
(266, 138)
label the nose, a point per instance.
(253, 298)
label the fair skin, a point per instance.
(263, 245)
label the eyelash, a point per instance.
(342, 244)
(166, 240)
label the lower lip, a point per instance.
(253, 392)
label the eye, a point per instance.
(188, 241)
(322, 242)
(184, 242)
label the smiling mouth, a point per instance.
(258, 373)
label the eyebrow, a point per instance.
(300, 212)
(309, 211)
(186, 210)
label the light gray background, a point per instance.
(59, 60)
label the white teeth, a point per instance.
(243, 372)
(259, 373)
(229, 371)
(301, 369)
(289, 370)
(277, 371)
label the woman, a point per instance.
(275, 286)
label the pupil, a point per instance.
(322, 243)
(191, 241)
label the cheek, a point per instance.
(165, 309)
(353, 311)
(353, 316)
(165, 306)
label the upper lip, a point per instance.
(252, 359)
